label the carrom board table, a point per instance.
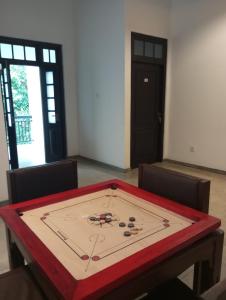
(111, 241)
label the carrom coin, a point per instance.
(122, 224)
(127, 233)
(84, 257)
(130, 225)
(134, 229)
(95, 258)
(108, 219)
(102, 216)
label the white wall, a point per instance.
(101, 80)
(151, 17)
(196, 71)
(198, 91)
(4, 156)
(48, 21)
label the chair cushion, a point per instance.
(18, 285)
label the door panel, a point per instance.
(52, 114)
(146, 112)
(9, 115)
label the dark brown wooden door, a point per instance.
(146, 113)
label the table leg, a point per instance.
(207, 272)
(16, 259)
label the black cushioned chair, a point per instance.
(187, 190)
(33, 182)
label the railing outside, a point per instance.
(23, 129)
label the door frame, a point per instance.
(162, 62)
(39, 62)
(8, 112)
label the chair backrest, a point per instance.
(33, 182)
(185, 189)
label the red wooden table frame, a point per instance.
(103, 282)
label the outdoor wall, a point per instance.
(151, 17)
(198, 95)
(4, 156)
(101, 80)
(48, 21)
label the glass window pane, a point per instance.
(9, 153)
(30, 53)
(45, 55)
(138, 48)
(5, 76)
(7, 103)
(6, 51)
(52, 117)
(149, 49)
(9, 120)
(18, 52)
(49, 77)
(50, 91)
(6, 90)
(51, 104)
(158, 51)
(52, 56)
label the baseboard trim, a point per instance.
(99, 163)
(222, 172)
(4, 202)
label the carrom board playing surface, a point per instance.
(89, 241)
(94, 231)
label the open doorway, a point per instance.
(33, 101)
(27, 104)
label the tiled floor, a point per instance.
(89, 173)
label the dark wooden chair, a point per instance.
(26, 184)
(187, 190)
(33, 182)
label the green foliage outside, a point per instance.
(20, 103)
(19, 90)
